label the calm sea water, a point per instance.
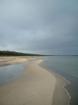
(67, 66)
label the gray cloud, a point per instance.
(40, 25)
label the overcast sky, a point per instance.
(39, 26)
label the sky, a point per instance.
(39, 26)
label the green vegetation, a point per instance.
(14, 53)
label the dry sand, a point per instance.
(12, 60)
(36, 86)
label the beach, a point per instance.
(12, 60)
(36, 86)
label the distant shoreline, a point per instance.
(15, 53)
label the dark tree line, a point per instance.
(14, 53)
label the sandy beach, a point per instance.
(36, 86)
(13, 60)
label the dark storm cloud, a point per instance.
(39, 25)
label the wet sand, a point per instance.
(36, 86)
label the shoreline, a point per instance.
(64, 82)
(36, 86)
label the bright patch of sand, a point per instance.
(12, 60)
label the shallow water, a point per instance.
(10, 73)
(67, 66)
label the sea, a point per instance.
(67, 66)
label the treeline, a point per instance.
(14, 53)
